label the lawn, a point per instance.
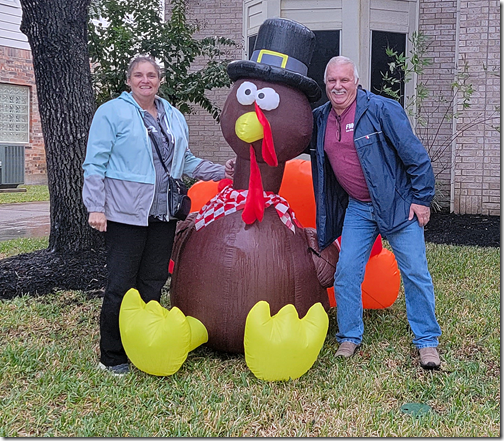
(33, 193)
(49, 384)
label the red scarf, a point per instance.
(229, 201)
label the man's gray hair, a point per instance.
(340, 59)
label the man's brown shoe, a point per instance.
(429, 358)
(346, 349)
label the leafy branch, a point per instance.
(430, 110)
(121, 29)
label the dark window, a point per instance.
(327, 46)
(251, 43)
(379, 60)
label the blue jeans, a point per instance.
(359, 233)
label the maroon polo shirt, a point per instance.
(340, 148)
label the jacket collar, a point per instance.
(325, 109)
(362, 99)
(128, 97)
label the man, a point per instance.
(371, 176)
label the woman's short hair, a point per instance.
(141, 59)
(340, 59)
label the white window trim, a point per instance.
(355, 27)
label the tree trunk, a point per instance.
(57, 33)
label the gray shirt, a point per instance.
(206, 170)
(164, 138)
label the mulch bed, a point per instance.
(463, 229)
(42, 272)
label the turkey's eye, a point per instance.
(267, 98)
(246, 93)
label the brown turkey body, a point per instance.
(237, 266)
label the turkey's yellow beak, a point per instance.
(248, 128)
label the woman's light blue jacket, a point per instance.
(119, 175)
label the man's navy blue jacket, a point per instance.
(396, 167)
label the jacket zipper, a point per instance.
(367, 136)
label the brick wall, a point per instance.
(470, 39)
(438, 22)
(214, 18)
(477, 162)
(16, 68)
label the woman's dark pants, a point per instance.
(137, 257)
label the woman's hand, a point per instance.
(98, 221)
(229, 168)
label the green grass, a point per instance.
(33, 193)
(49, 384)
(21, 246)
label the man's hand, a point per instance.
(422, 213)
(98, 221)
(229, 168)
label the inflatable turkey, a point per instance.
(243, 265)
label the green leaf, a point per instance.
(416, 409)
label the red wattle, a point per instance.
(268, 148)
(254, 206)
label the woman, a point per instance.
(125, 193)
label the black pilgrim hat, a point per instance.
(282, 54)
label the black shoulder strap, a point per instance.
(154, 141)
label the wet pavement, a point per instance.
(30, 219)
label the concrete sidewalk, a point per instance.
(30, 219)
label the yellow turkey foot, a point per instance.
(157, 340)
(283, 346)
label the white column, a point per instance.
(355, 36)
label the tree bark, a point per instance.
(57, 33)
